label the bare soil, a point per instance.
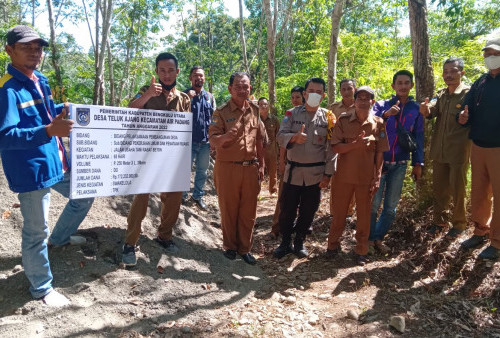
(437, 288)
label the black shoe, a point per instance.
(230, 254)
(249, 259)
(473, 242)
(283, 250)
(332, 253)
(200, 203)
(299, 249)
(490, 253)
(185, 199)
(168, 245)
(362, 260)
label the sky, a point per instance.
(80, 31)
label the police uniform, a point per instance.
(307, 164)
(170, 201)
(337, 109)
(354, 175)
(236, 173)
(450, 152)
(272, 125)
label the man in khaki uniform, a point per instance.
(238, 136)
(272, 125)
(158, 96)
(450, 150)
(305, 134)
(360, 140)
(346, 105)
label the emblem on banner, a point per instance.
(83, 116)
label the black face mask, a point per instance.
(168, 87)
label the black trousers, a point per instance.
(304, 198)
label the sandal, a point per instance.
(435, 229)
(271, 237)
(453, 233)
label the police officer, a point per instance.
(238, 136)
(360, 140)
(158, 96)
(272, 125)
(304, 133)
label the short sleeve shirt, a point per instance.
(250, 130)
(357, 166)
(338, 108)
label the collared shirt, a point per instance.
(202, 107)
(272, 125)
(358, 165)
(450, 141)
(483, 100)
(338, 108)
(250, 131)
(316, 148)
(411, 120)
(179, 101)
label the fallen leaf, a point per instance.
(6, 214)
(16, 205)
(135, 301)
(160, 269)
(82, 264)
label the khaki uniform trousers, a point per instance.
(350, 211)
(276, 224)
(448, 183)
(342, 195)
(170, 207)
(271, 162)
(485, 192)
(237, 189)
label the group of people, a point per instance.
(359, 147)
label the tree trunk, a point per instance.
(332, 54)
(55, 54)
(242, 38)
(112, 99)
(424, 82)
(271, 72)
(106, 11)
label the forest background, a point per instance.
(281, 43)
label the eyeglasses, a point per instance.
(25, 47)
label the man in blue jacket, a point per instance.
(401, 107)
(34, 159)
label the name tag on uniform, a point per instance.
(231, 120)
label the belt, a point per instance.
(246, 163)
(397, 162)
(298, 164)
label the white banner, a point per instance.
(121, 151)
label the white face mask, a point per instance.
(492, 62)
(313, 99)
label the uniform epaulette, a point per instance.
(254, 104)
(222, 106)
(344, 114)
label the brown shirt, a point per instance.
(357, 166)
(272, 125)
(250, 130)
(450, 141)
(179, 101)
(338, 108)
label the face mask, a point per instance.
(492, 62)
(168, 87)
(313, 99)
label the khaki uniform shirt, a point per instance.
(450, 141)
(358, 166)
(180, 101)
(316, 148)
(250, 130)
(272, 125)
(338, 108)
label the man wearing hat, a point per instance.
(34, 159)
(360, 140)
(482, 113)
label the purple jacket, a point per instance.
(412, 121)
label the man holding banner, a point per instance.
(157, 96)
(34, 159)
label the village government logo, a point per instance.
(83, 116)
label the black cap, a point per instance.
(23, 34)
(364, 89)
